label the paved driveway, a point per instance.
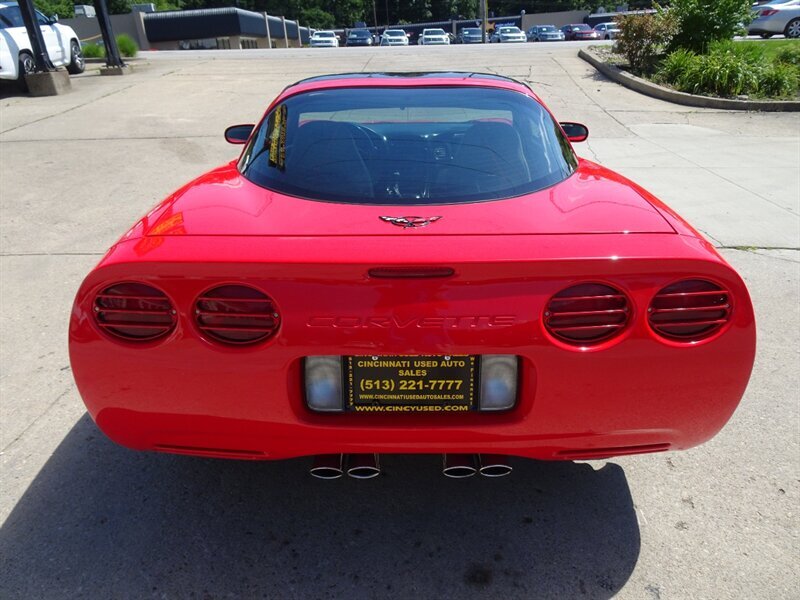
(82, 517)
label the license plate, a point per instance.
(410, 383)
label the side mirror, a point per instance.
(576, 132)
(238, 134)
(54, 19)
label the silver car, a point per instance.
(508, 34)
(607, 31)
(394, 37)
(545, 33)
(775, 18)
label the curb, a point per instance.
(642, 86)
(102, 60)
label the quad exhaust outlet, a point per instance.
(367, 466)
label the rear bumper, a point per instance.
(189, 395)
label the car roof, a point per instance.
(404, 79)
(406, 75)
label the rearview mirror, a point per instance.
(238, 134)
(576, 132)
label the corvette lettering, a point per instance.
(460, 322)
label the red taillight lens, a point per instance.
(588, 313)
(134, 312)
(689, 310)
(236, 314)
(767, 12)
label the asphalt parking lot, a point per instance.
(83, 518)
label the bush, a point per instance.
(789, 55)
(643, 38)
(779, 80)
(729, 69)
(127, 45)
(675, 67)
(701, 22)
(93, 51)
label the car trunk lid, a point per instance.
(592, 201)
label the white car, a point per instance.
(430, 37)
(607, 31)
(16, 56)
(508, 34)
(394, 37)
(324, 39)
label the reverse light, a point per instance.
(323, 383)
(498, 381)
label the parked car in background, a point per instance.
(579, 32)
(430, 37)
(324, 39)
(776, 18)
(508, 34)
(470, 35)
(16, 56)
(607, 31)
(545, 33)
(394, 37)
(359, 37)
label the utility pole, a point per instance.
(483, 12)
(40, 57)
(375, 17)
(113, 59)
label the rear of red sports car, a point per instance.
(411, 265)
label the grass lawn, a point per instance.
(770, 47)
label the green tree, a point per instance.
(317, 18)
(65, 9)
(704, 21)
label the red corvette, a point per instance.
(411, 263)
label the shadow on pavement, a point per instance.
(10, 89)
(100, 521)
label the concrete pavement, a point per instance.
(84, 518)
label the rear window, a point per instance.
(438, 145)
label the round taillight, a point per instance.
(134, 312)
(689, 310)
(587, 313)
(236, 314)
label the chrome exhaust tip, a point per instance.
(363, 466)
(494, 465)
(327, 466)
(458, 466)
